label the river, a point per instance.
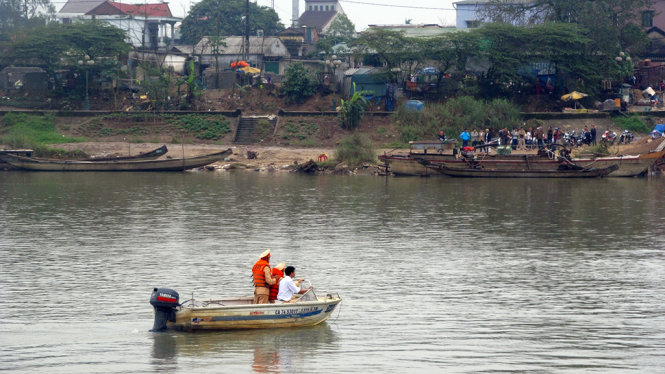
(436, 274)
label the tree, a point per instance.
(226, 18)
(604, 20)
(449, 52)
(353, 109)
(341, 30)
(299, 84)
(15, 14)
(390, 49)
(64, 45)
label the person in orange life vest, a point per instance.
(277, 274)
(262, 278)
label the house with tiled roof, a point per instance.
(319, 14)
(147, 25)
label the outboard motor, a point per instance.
(165, 301)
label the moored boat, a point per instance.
(238, 313)
(410, 165)
(485, 171)
(628, 166)
(19, 152)
(150, 155)
(173, 164)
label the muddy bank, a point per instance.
(266, 157)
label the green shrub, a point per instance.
(454, 116)
(355, 150)
(352, 110)
(299, 84)
(600, 149)
(633, 123)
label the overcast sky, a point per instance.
(360, 12)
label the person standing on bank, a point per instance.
(464, 135)
(288, 287)
(263, 279)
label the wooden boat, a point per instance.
(410, 165)
(407, 165)
(151, 155)
(238, 313)
(19, 152)
(629, 166)
(174, 164)
(485, 171)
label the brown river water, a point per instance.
(436, 274)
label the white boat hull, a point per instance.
(241, 313)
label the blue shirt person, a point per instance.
(465, 136)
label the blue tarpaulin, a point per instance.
(660, 128)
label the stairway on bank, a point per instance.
(246, 127)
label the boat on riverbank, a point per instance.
(150, 155)
(628, 166)
(545, 160)
(173, 164)
(486, 171)
(411, 165)
(238, 313)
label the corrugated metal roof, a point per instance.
(79, 6)
(268, 46)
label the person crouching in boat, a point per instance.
(263, 279)
(277, 275)
(288, 287)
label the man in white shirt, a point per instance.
(288, 287)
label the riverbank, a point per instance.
(275, 158)
(267, 157)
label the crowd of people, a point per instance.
(276, 285)
(520, 139)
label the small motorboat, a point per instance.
(238, 313)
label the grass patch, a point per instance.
(633, 123)
(300, 131)
(21, 130)
(262, 130)
(355, 150)
(202, 126)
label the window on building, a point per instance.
(326, 7)
(647, 18)
(316, 7)
(472, 24)
(310, 7)
(332, 7)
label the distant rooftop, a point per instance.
(79, 6)
(503, 2)
(422, 30)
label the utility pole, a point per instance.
(245, 54)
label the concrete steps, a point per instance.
(246, 128)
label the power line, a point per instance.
(393, 6)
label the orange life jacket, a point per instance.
(258, 274)
(274, 289)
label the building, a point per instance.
(319, 14)
(265, 53)
(420, 30)
(147, 25)
(468, 13)
(298, 40)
